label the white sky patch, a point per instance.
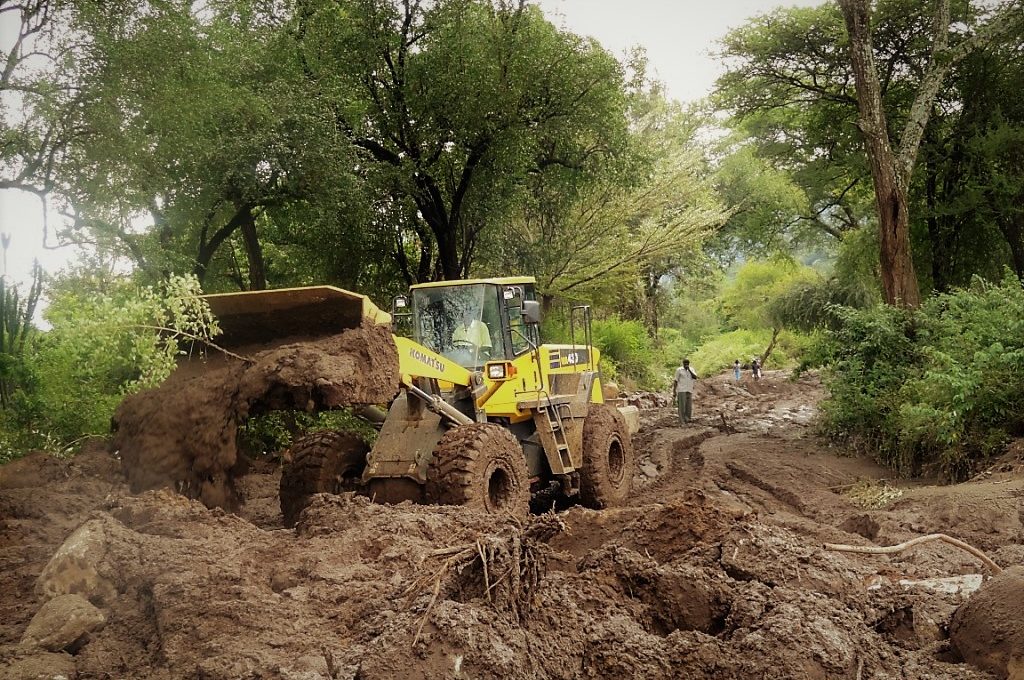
(679, 36)
(21, 218)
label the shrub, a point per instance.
(933, 389)
(276, 430)
(627, 346)
(107, 340)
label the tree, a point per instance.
(790, 85)
(891, 170)
(37, 104)
(751, 300)
(786, 85)
(214, 152)
(453, 105)
(625, 226)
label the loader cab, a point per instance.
(474, 322)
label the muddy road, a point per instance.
(714, 569)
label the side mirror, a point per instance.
(531, 311)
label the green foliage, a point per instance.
(108, 339)
(627, 348)
(932, 390)
(636, 218)
(275, 431)
(750, 299)
(719, 352)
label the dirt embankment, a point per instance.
(713, 570)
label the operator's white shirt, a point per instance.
(684, 381)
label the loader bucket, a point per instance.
(259, 317)
(307, 349)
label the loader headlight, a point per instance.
(496, 371)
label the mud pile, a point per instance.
(987, 630)
(183, 433)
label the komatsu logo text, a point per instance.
(428, 360)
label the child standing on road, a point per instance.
(682, 387)
(755, 368)
(736, 370)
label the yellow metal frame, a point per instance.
(533, 382)
(498, 281)
(416, 361)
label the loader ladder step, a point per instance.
(552, 417)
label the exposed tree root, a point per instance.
(506, 569)
(876, 550)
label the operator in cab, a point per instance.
(472, 331)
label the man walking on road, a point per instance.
(682, 387)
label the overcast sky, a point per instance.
(679, 36)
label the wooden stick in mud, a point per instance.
(876, 550)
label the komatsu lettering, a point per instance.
(428, 360)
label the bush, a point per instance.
(626, 345)
(108, 339)
(934, 389)
(276, 430)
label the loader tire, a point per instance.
(480, 466)
(607, 474)
(322, 462)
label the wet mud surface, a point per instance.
(713, 569)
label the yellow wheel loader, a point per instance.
(487, 414)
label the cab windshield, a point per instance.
(459, 322)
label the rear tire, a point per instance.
(322, 462)
(480, 466)
(607, 474)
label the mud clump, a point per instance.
(988, 630)
(182, 434)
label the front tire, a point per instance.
(322, 462)
(608, 461)
(480, 466)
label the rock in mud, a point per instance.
(81, 567)
(988, 630)
(63, 623)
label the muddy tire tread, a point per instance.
(318, 459)
(460, 458)
(597, 490)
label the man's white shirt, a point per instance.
(684, 381)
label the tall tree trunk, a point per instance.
(935, 237)
(891, 173)
(771, 346)
(253, 253)
(899, 282)
(1012, 232)
(547, 301)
